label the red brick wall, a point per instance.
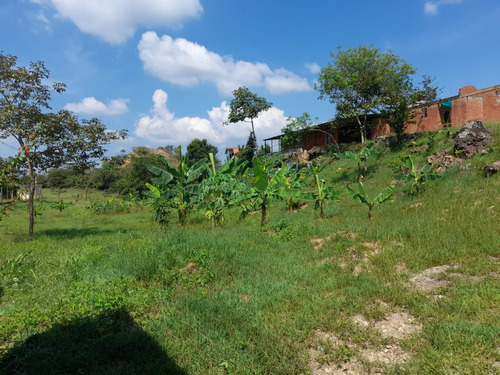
(425, 123)
(491, 106)
(483, 106)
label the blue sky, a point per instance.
(165, 69)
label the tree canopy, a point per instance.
(246, 106)
(199, 150)
(362, 81)
(48, 139)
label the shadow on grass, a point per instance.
(110, 343)
(70, 233)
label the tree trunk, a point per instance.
(31, 198)
(362, 131)
(321, 213)
(370, 217)
(253, 132)
(264, 210)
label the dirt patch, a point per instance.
(431, 279)
(317, 356)
(302, 206)
(317, 243)
(332, 355)
(389, 355)
(397, 326)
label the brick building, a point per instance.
(470, 104)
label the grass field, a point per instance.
(112, 293)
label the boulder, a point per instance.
(491, 169)
(471, 138)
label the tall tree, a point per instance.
(246, 106)
(363, 81)
(401, 97)
(49, 139)
(199, 149)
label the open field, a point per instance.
(418, 293)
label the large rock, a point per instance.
(471, 138)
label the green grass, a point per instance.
(113, 293)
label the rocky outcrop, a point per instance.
(471, 138)
(442, 160)
(297, 154)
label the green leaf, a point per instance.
(153, 189)
(384, 195)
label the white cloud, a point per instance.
(93, 106)
(163, 128)
(185, 63)
(431, 7)
(116, 20)
(313, 68)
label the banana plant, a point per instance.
(221, 190)
(176, 186)
(268, 183)
(360, 156)
(322, 192)
(415, 177)
(295, 183)
(362, 197)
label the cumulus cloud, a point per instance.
(431, 7)
(116, 20)
(162, 127)
(93, 106)
(313, 68)
(185, 63)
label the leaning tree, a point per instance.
(48, 139)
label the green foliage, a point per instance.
(362, 197)
(295, 182)
(322, 193)
(176, 186)
(295, 131)
(60, 205)
(131, 178)
(415, 177)
(402, 95)
(354, 83)
(363, 80)
(49, 139)
(221, 190)
(247, 153)
(268, 183)
(112, 206)
(361, 156)
(198, 150)
(8, 178)
(247, 105)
